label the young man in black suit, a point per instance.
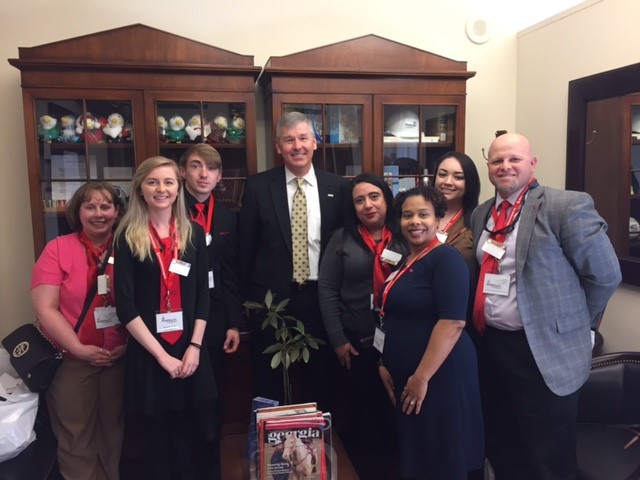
(201, 169)
(266, 253)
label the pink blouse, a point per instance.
(63, 263)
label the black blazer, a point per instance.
(265, 230)
(225, 307)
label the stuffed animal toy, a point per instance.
(194, 128)
(68, 133)
(48, 128)
(236, 133)
(176, 132)
(89, 128)
(163, 126)
(218, 127)
(114, 128)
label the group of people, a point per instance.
(454, 332)
(128, 298)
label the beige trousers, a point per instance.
(85, 405)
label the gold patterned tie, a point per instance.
(299, 235)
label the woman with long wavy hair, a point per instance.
(162, 296)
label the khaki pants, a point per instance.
(86, 409)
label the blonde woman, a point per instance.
(162, 296)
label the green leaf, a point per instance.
(295, 355)
(276, 347)
(268, 299)
(253, 305)
(282, 305)
(275, 361)
(305, 355)
(300, 326)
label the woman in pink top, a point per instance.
(85, 399)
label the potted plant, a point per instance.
(292, 343)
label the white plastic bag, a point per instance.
(17, 417)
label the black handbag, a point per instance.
(33, 356)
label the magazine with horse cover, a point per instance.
(293, 448)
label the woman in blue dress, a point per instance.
(430, 367)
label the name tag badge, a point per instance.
(378, 339)
(103, 284)
(180, 267)
(208, 238)
(106, 317)
(110, 260)
(169, 321)
(390, 257)
(211, 283)
(496, 284)
(442, 237)
(494, 249)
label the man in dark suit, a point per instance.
(266, 252)
(546, 270)
(201, 169)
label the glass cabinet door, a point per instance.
(338, 132)
(81, 140)
(220, 124)
(634, 190)
(415, 136)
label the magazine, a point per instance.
(252, 437)
(292, 447)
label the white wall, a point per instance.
(263, 29)
(603, 36)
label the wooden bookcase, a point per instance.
(376, 105)
(141, 74)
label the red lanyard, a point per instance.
(453, 220)
(167, 276)
(209, 214)
(516, 207)
(434, 243)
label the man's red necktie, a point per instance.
(489, 265)
(200, 218)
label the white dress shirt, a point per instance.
(310, 187)
(501, 311)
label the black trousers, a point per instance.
(530, 431)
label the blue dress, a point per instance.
(446, 440)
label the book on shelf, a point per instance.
(292, 446)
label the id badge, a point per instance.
(169, 321)
(494, 249)
(211, 282)
(208, 239)
(390, 257)
(103, 284)
(442, 237)
(378, 339)
(106, 317)
(180, 267)
(496, 284)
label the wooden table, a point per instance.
(235, 465)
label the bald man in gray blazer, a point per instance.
(542, 281)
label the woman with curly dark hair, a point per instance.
(430, 367)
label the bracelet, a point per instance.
(194, 344)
